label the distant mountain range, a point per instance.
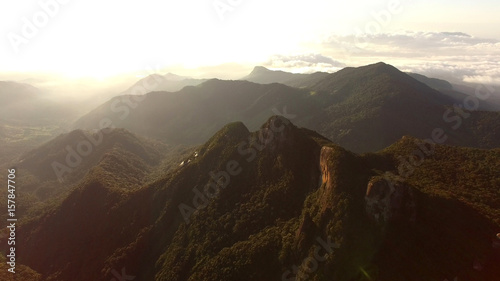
(457, 92)
(55, 160)
(50, 171)
(362, 109)
(13, 92)
(27, 104)
(155, 82)
(275, 204)
(368, 173)
(263, 75)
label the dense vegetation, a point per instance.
(293, 189)
(279, 203)
(116, 155)
(363, 109)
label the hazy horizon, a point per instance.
(226, 39)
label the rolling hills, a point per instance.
(51, 171)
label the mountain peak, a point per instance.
(260, 68)
(277, 122)
(232, 131)
(264, 75)
(174, 77)
(382, 67)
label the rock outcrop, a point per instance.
(389, 201)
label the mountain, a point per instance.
(367, 108)
(13, 92)
(362, 109)
(155, 82)
(28, 118)
(280, 203)
(437, 84)
(29, 105)
(459, 93)
(174, 77)
(51, 171)
(114, 156)
(456, 92)
(491, 103)
(263, 75)
(193, 114)
(21, 102)
(69, 156)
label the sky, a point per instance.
(457, 39)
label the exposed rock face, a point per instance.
(327, 178)
(323, 162)
(306, 228)
(390, 201)
(276, 132)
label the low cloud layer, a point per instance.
(453, 55)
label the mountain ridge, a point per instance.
(353, 107)
(280, 189)
(263, 75)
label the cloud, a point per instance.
(409, 42)
(454, 55)
(304, 63)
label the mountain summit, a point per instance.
(263, 75)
